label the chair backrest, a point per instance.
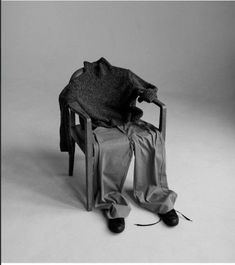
(72, 117)
(77, 73)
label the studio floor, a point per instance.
(43, 214)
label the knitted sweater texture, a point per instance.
(108, 95)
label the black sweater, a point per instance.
(107, 94)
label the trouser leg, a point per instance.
(113, 157)
(150, 179)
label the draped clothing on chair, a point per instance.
(108, 95)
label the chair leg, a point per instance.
(71, 159)
(89, 182)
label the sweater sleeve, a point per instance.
(67, 95)
(145, 91)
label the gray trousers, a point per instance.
(113, 152)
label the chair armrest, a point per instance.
(159, 103)
(76, 109)
(162, 123)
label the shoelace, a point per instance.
(185, 217)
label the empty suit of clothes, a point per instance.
(113, 152)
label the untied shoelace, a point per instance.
(185, 217)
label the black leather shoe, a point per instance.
(170, 218)
(116, 225)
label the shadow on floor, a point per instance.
(44, 172)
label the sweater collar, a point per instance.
(100, 66)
